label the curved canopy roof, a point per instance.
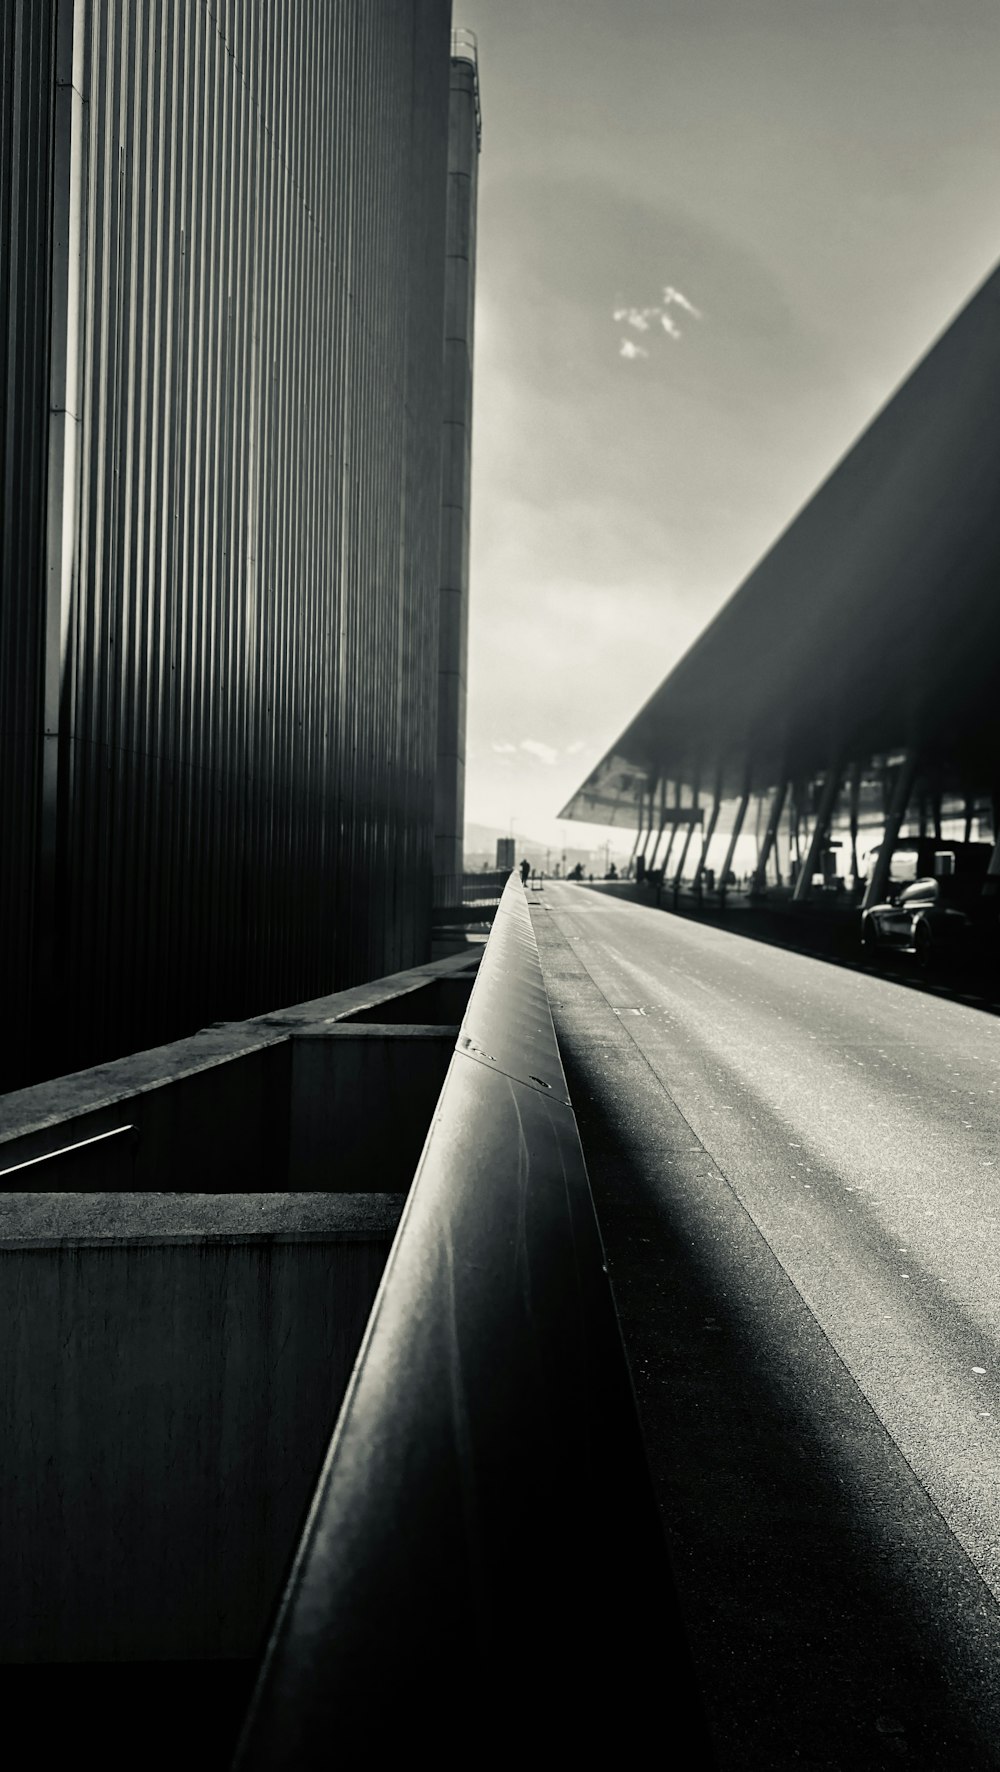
(873, 623)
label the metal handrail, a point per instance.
(482, 1568)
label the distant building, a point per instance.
(223, 271)
(505, 852)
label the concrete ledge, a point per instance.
(228, 1110)
(30, 1220)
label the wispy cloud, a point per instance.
(573, 750)
(673, 298)
(545, 753)
(637, 317)
(505, 750)
(642, 318)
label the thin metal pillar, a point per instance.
(708, 832)
(992, 883)
(686, 844)
(970, 812)
(770, 833)
(824, 813)
(650, 865)
(901, 790)
(855, 806)
(794, 828)
(670, 843)
(741, 812)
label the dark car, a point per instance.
(941, 913)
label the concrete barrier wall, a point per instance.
(167, 1391)
(362, 1100)
(214, 1113)
(191, 1240)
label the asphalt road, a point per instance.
(857, 1125)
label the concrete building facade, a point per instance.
(222, 259)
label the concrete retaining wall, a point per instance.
(167, 1392)
(191, 1241)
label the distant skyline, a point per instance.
(714, 235)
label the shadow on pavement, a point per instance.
(835, 1621)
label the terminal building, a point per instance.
(846, 696)
(234, 504)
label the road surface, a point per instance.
(856, 1125)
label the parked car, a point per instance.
(939, 914)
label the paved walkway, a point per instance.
(795, 1168)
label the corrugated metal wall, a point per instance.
(456, 478)
(247, 638)
(27, 52)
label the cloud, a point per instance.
(546, 753)
(505, 750)
(640, 319)
(673, 298)
(573, 750)
(637, 317)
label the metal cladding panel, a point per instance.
(460, 248)
(871, 625)
(27, 93)
(246, 700)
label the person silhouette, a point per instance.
(525, 871)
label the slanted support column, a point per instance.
(827, 801)
(670, 841)
(770, 833)
(651, 863)
(902, 788)
(685, 846)
(969, 815)
(708, 832)
(855, 804)
(640, 835)
(734, 837)
(991, 885)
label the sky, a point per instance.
(714, 235)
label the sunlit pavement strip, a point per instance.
(859, 1126)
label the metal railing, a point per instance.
(482, 1570)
